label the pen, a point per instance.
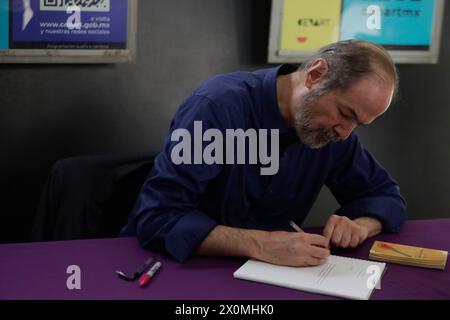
(137, 273)
(295, 226)
(145, 278)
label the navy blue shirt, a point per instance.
(180, 204)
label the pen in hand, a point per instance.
(295, 226)
(298, 229)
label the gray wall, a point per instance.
(48, 112)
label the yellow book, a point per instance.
(409, 255)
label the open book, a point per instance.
(340, 276)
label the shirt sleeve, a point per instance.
(166, 216)
(363, 187)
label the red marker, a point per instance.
(145, 278)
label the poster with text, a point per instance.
(309, 24)
(405, 24)
(68, 24)
(4, 24)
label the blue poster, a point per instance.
(401, 23)
(4, 24)
(68, 24)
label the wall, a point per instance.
(49, 112)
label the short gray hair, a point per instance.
(348, 61)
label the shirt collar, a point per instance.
(272, 118)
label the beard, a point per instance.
(312, 136)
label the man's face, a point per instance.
(332, 116)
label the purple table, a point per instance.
(38, 271)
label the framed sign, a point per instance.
(67, 31)
(409, 29)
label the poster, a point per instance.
(404, 24)
(4, 24)
(67, 24)
(309, 24)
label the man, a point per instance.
(232, 209)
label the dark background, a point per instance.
(49, 112)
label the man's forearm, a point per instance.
(277, 247)
(227, 241)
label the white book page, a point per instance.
(339, 276)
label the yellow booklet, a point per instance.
(409, 255)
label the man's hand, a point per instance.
(344, 233)
(294, 249)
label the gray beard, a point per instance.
(315, 138)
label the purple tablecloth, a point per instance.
(38, 271)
